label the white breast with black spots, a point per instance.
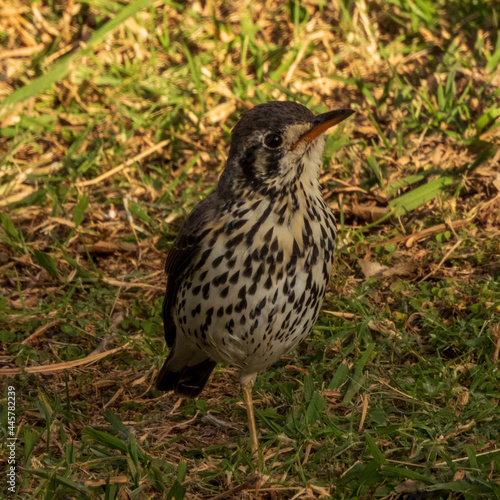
(257, 287)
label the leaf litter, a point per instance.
(136, 120)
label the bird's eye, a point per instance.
(273, 141)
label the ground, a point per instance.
(115, 121)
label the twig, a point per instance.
(218, 422)
(424, 234)
(111, 480)
(252, 483)
(187, 140)
(346, 184)
(130, 219)
(482, 206)
(495, 330)
(443, 260)
(125, 164)
(21, 51)
(16, 197)
(342, 315)
(296, 62)
(364, 411)
(57, 367)
(42, 329)
(440, 464)
(440, 227)
(115, 396)
(131, 284)
(383, 382)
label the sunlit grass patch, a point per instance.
(115, 121)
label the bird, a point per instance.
(248, 270)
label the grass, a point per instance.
(115, 121)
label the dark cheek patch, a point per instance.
(248, 163)
(259, 165)
(272, 161)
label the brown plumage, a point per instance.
(248, 271)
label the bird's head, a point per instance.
(275, 145)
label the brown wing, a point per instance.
(180, 257)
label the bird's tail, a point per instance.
(188, 382)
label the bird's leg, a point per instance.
(247, 395)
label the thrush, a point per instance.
(248, 271)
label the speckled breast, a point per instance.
(256, 289)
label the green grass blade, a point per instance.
(495, 58)
(391, 189)
(79, 212)
(115, 421)
(358, 378)
(105, 439)
(47, 262)
(419, 196)
(9, 228)
(406, 474)
(63, 481)
(375, 452)
(61, 68)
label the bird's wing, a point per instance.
(184, 250)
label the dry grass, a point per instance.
(108, 137)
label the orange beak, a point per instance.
(322, 123)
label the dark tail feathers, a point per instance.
(188, 382)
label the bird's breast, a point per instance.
(256, 287)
